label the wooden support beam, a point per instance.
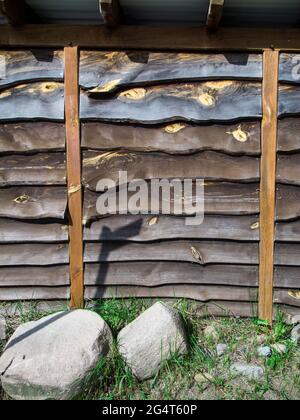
(74, 176)
(17, 12)
(215, 13)
(268, 183)
(111, 12)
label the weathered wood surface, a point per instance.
(286, 277)
(289, 68)
(31, 65)
(148, 228)
(287, 232)
(33, 202)
(33, 293)
(106, 71)
(288, 169)
(287, 202)
(34, 276)
(37, 169)
(288, 137)
(197, 292)
(39, 101)
(289, 100)
(287, 254)
(34, 254)
(31, 137)
(200, 252)
(177, 138)
(287, 297)
(219, 198)
(210, 166)
(14, 231)
(152, 274)
(195, 102)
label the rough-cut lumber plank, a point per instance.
(31, 137)
(34, 276)
(287, 297)
(31, 65)
(74, 176)
(288, 135)
(287, 277)
(287, 254)
(33, 254)
(33, 202)
(215, 13)
(110, 12)
(14, 231)
(267, 186)
(195, 102)
(202, 293)
(33, 293)
(219, 198)
(152, 274)
(289, 68)
(107, 71)
(289, 100)
(147, 228)
(288, 169)
(177, 138)
(288, 232)
(39, 101)
(200, 252)
(210, 166)
(287, 202)
(38, 169)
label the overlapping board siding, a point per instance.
(287, 246)
(162, 115)
(33, 222)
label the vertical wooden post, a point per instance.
(74, 176)
(268, 183)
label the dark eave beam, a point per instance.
(17, 12)
(215, 13)
(111, 12)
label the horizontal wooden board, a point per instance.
(31, 137)
(33, 293)
(289, 68)
(210, 166)
(287, 277)
(150, 274)
(37, 169)
(287, 254)
(148, 228)
(33, 202)
(288, 135)
(287, 297)
(34, 254)
(288, 232)
(39, 101)
(29, 65)
(200, 252)
(289, 100)
(219, 198)
(106, 71)
(34, 276)
(287, 202)
(288, 169)
(14, 231)
(195, 102)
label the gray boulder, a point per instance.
(2, 328)
(49, 358)
(151, 339)
(295, 335)
(249, 371)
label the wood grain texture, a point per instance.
(286, 277)
(210, 166)
(148, 228)
(177, 138)
(15, 231)
(288, 170)
(153, 274)
(108, 71)
(38, 101)
(289, 100)
(33, 202)
(287, 254)
(33, 254)
(219, 198)
(289, 68)
(24, 66)
(34, 276)
(267, 186)
(199, 252)
(288, 135)
(31, 137)
(287, 297)
(33, 293)
(287, 202)
(37, 169)
(194, 102)
(288, 232)
(74, 177)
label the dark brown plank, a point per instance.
(33, 293)
(31, 65)
(289, 68)
(39, 101)
(31, 137)
(219, 198)
(200, 252)
(288, 169)
(177, 138)
(287, 254)
(152, 274)
(288, 135)
(14, 231)
(38, 169)
(33, 202)
(287, 277)
(288, 232)
(210, 166)
(107, 71)
(195, 102)
(289, 100)
(287, 297)
(33, 254)
(148, 228)
(287, 202)
(34, 276)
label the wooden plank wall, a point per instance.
(33, 222)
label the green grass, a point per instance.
(111, 379)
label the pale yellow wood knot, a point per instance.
(74, 189)
(153, 221)
(106, 87)
(196, 255)
(294, 294)
(239, 134)
(133, 94)
(22, 199)
(174, 128)
(255, 226)
(207, 99)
